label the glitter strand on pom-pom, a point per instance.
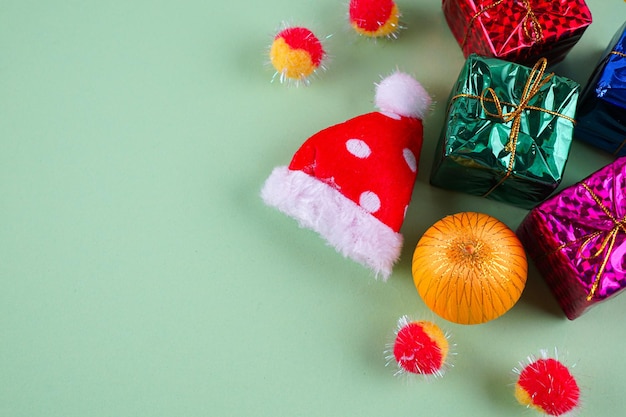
(297, 55)
(419, 348)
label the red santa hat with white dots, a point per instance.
(352, 182)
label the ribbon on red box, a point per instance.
(529, 19)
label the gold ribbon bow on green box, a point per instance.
(508, 131)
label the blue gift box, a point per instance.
(601, 115)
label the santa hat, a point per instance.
(352, 182)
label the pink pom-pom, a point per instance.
(401, 94)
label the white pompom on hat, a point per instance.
(401, 94)
(352, 182)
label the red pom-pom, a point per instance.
(548, 386)
(374, 18)
(420, 347)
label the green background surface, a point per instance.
(140, 272)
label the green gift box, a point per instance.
(508, 131)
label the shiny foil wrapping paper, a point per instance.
(577, 239)
(602, 111)
(479, 151)
(521, 31)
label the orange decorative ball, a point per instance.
(469, 268)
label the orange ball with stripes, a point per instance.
(469, 268)
(296, 54)
(374, 18)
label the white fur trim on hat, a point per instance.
(346, 226)
(402, 94)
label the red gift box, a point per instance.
(520, 31)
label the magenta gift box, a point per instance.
(577, 239)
